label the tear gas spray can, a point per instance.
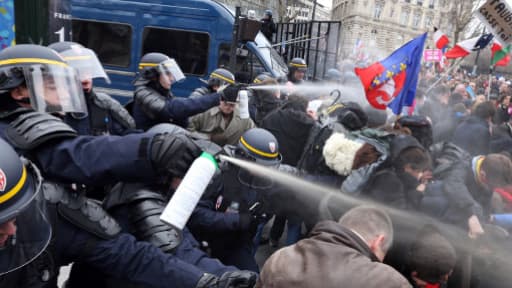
(243, 104)
(190, 190)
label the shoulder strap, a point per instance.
(32, 129)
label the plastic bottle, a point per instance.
(243, 103)
(190, 190)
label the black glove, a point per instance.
(173, 153)
(258, 213)
(250, 220)
(234, 279)
(230, 93)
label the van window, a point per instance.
(110, 41)
(248, 65)
(189, 49)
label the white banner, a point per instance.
(496, 15)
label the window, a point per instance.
(431, 4)
(248, 66)
(378, 10)
(111, 41)
(416, 20)
(188, 48)
(428, 22)
(404, 17)
(391, 12)
(420, 2)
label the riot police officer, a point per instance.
(36, 81)
(217, 81)
(43, 226)
(105, 115)
(297, 69)
(235, 208)
(153, 100)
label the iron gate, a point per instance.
(317, 42)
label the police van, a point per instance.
(196, 33)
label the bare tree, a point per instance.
(460, 14)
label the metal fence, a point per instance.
(315, 41)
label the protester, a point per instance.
(223, 124)
(349, 252)
(474, 134)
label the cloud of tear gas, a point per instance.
(322, 203)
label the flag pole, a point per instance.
(490, 84)
(444, 75)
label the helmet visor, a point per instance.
(254, 180)
(169, 69)
(32, 231)
(54, 88)
(85, 62)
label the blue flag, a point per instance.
(392, 82)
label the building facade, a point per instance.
(372, 29)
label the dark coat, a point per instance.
(473, 135)
(291, 129)
(268, 28)
(333, 256)
(150, 107)
(501, 115)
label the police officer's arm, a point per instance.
(182, 108)
(126, 258)
(107, 159)
(206, 218)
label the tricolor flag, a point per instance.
(440, 39)
(464, 48)
(392, 81)
(500, 55)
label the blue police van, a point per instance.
(197, 33)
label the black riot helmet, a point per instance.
(262, 77)
(24, 228)
(53, 86)
(260, 146)
(220, 77)
(153, 65)
(297, 64)
(84, 60)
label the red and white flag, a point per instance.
(440, 39)
(464, 48)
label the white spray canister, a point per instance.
(243, 104)
(190, 190)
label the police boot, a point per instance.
(234, 279)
